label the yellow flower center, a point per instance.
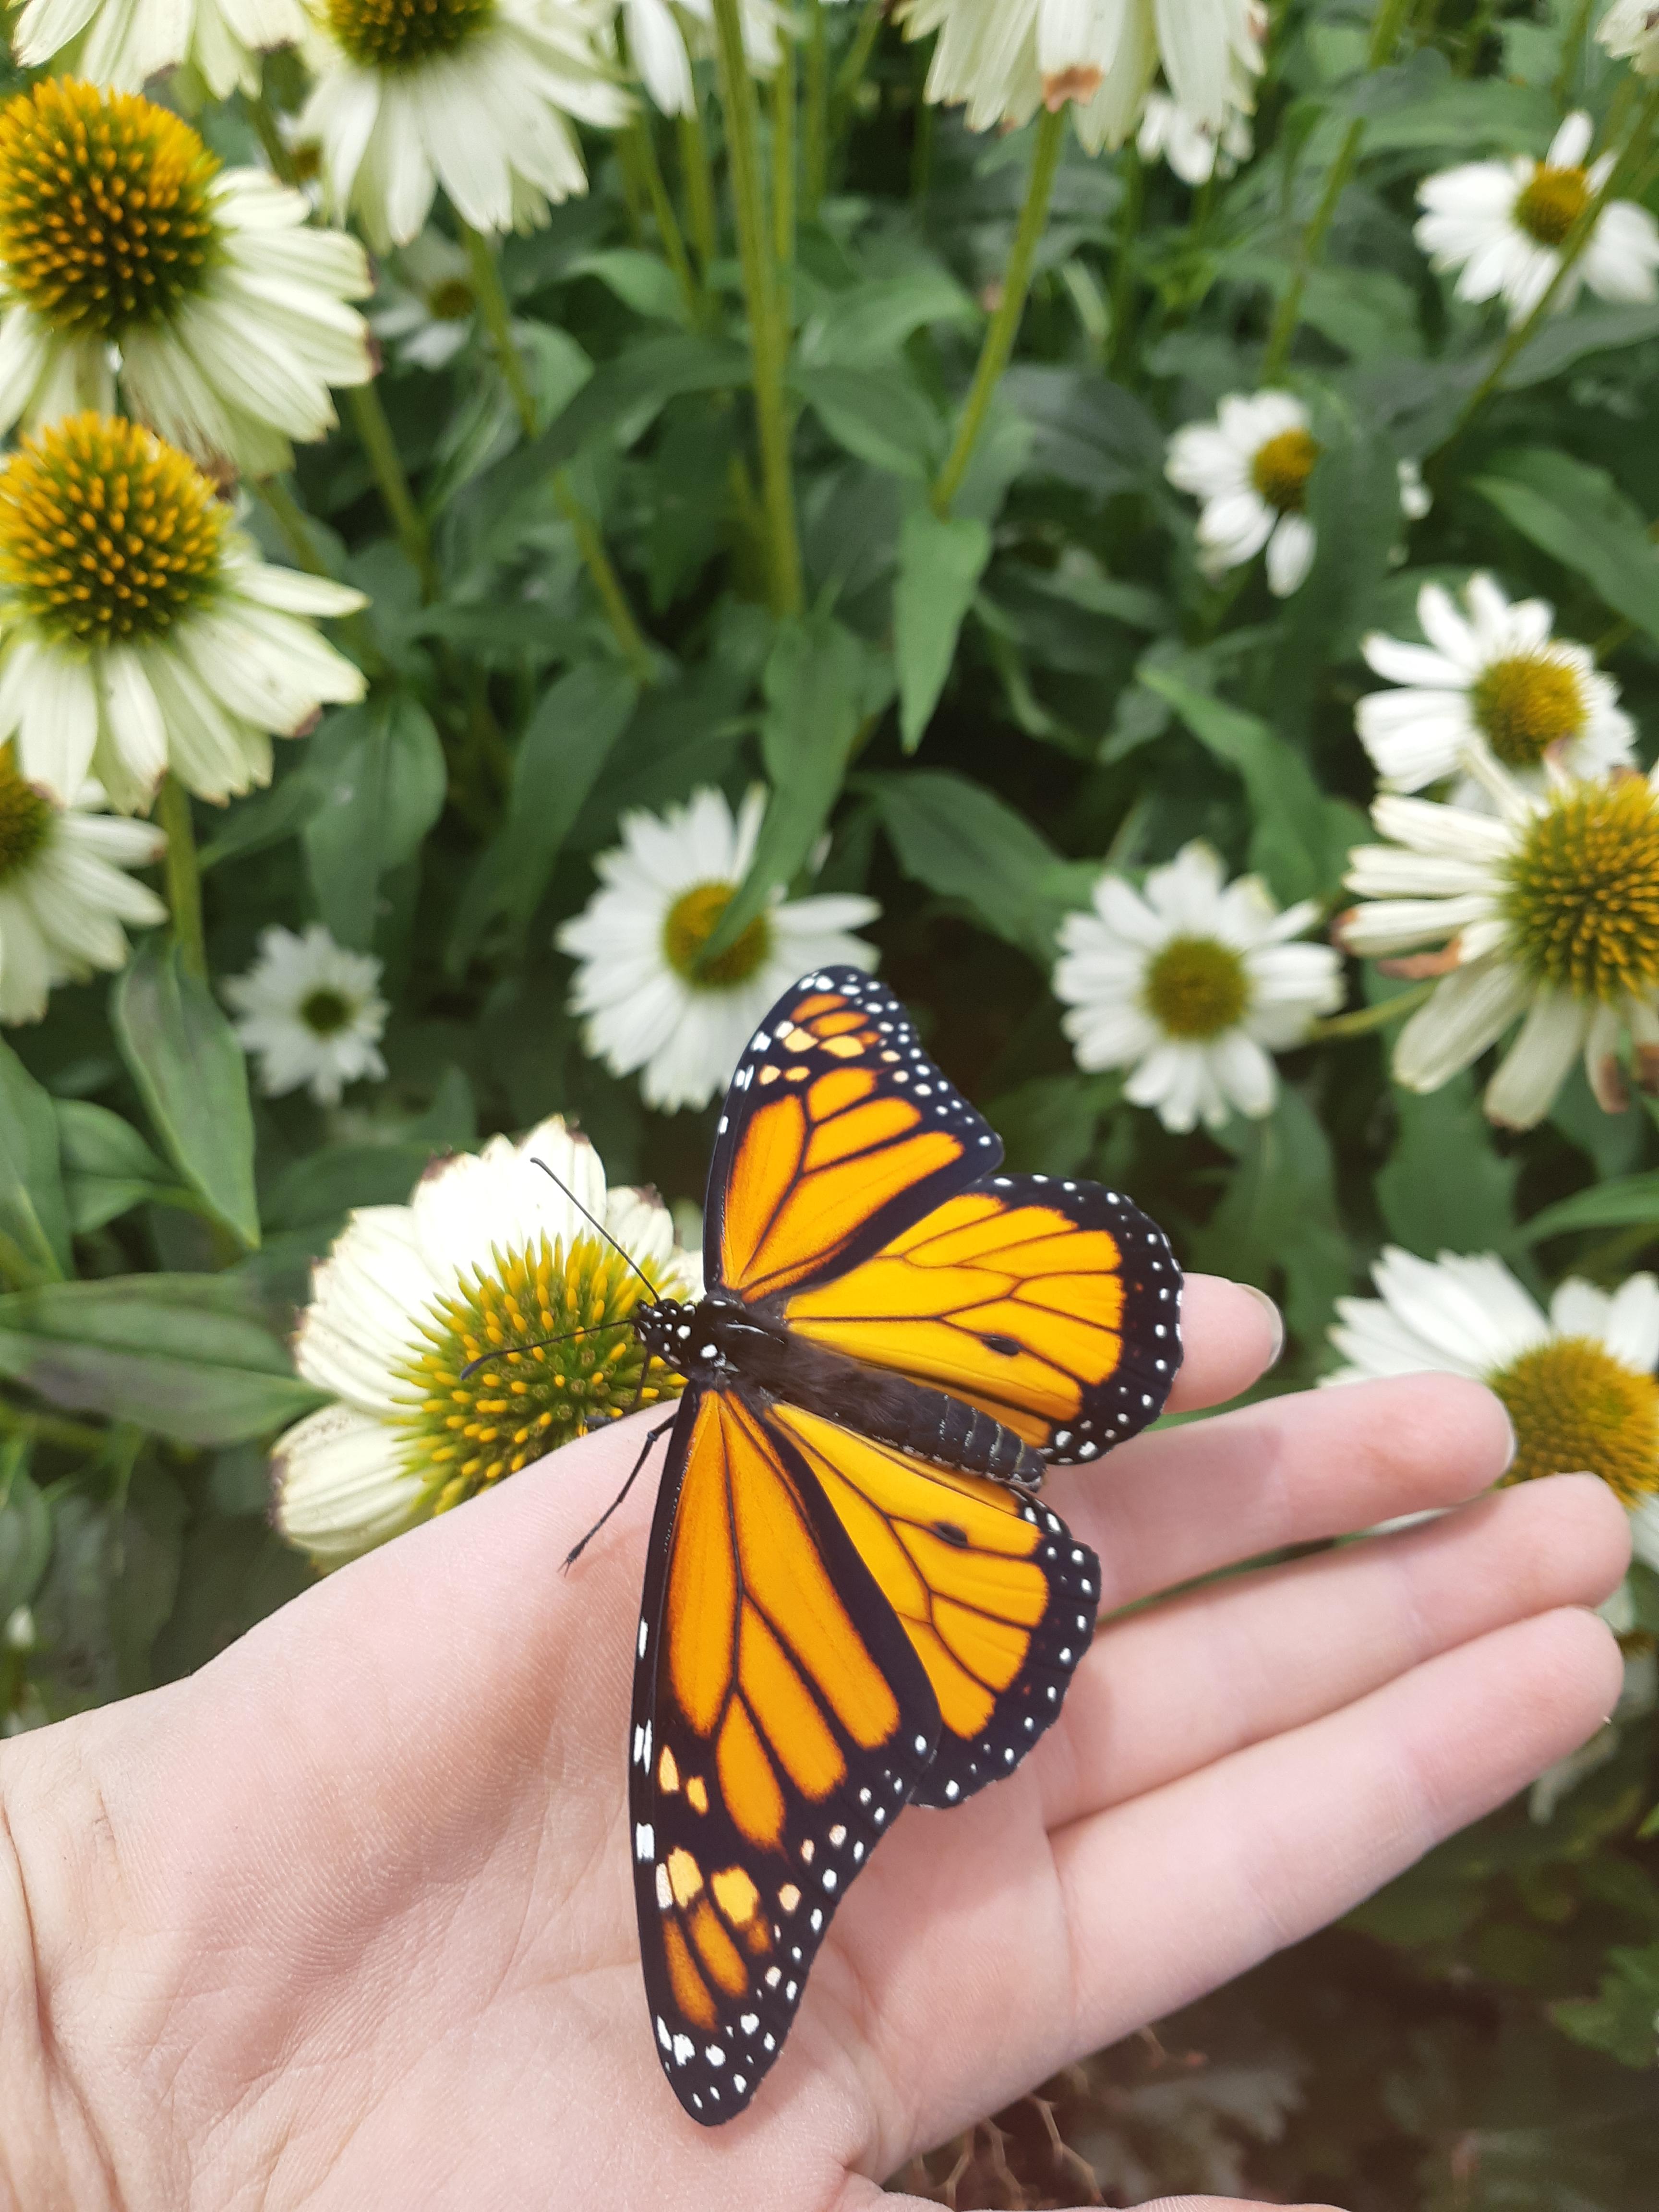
(106, 207)
(106, 535)
(26, 819)
(1583, 900)
(691, 924)
(1548, 208)
(1281, 468)
(1196, 988)
(471, 1429)
(1578, 1410)
(1525, 705)
(326, 1012)
(397, 35)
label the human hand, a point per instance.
(347, 1918)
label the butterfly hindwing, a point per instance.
(837, 1134)
(996, 1595)
(1049, 1302)
(781, 1718)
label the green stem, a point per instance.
(605, 581)
(1572, 46)
(51, 1428)
(1572, 247)
(1364, 1019)
(768, 337)
(1004, 324)
(498, 321)
(814, 142)
(269, 132)
(289, 518)
(374, 433)
(1123, 267)
(783, 154)
(698, 173)
(1385, 33)
(638, 148)
(850, 75)
(184, 877)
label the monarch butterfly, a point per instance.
(853, 1599)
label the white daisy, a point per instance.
(311, 1013)
(127, 42)
(1194, 983)
(1629, 30)
(426, 309)
(490, 1255)
(1546, 913)
(663, 890)
(663, 38)
(1250, 467)
(126, 249)
(1006, 59)
(65, 900)
(1503, 223)
(477, 95)
(139, 631)
(1195, 150)
(1497, 680)
(1578, 1382)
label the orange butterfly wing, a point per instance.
(830, 1628)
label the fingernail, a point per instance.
(1275, 1318)
(1514, 1442)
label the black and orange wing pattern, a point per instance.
(837, 1134)
(830, 1628)
(1052, 1304)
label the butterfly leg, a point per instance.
(652, 1435)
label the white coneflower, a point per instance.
(1503, 225)
(1547, 914)
(658, 32)
(426, 309)
(66, 902)
(1578, 1383)
(127, 42)
(139, 631)
(490, 1256)
(477, 95)
(1629, 30)
(1499, 679)
(1192, 983)
(1006, 59)
(1195, 150)
(124, 248)
(662, 890)
(311, 1014)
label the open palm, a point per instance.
(347, 1919)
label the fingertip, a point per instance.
(1449, 1438)
(1578, 1659)
(1232, 1332)
(1591, 1518)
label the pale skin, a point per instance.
(346, 1920)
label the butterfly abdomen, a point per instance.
(891, 1408)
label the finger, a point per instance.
(1231, 1333)
(1167, 1507)
(1167, 1692)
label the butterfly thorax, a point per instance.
(724, 1344)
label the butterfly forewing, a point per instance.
(1052, 1304)
(781, 1718)
(837, 1134)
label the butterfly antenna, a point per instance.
(540, 1345)
(598, 1224)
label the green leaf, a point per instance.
(866, 325)
(1626, 1203)
(1565, 340)
(1085, 432)
(111, 1585)
(560, 757)
(184, 1057)
(879, 415)
(814, 684)
(1579, 516)
(266, 819)
(108, 1167)
(966, 844)
(940, 564)
(234, 1573)
(1049, 1125)
(385, 777)
(639, 280)
(1445, 1188)
(1279, 1224)
(34, 1226)
(189, 1356)
(1301, 838)
(1622, 2018)
(25, 1530)
(326, 1185)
